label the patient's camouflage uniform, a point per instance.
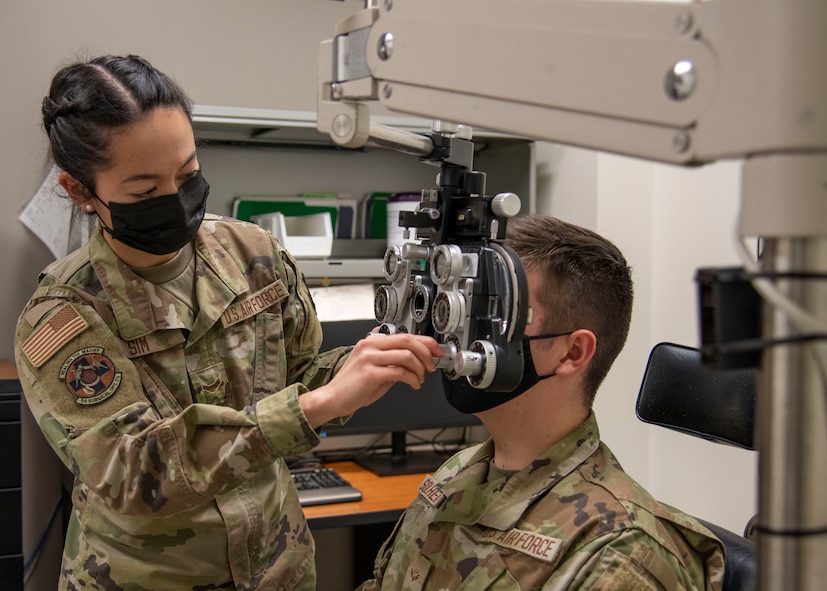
(571, 520)
(173, 415)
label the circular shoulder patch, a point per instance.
(90, 376)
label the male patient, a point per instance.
(543, 504)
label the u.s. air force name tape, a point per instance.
(254, 303)
(532, 543)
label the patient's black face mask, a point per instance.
(469, 400)
(163, 224)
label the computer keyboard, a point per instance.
(320, 486)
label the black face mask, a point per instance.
(469, 400)
(163, 224)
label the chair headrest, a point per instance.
(678, 392)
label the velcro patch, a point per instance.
(254, 303)
(431, 491)
(59, 329)
(532, 543)
(90, 376)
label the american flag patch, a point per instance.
(58, 330)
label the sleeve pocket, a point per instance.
(270, 359)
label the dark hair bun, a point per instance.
(52, 110)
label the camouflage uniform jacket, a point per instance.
(571, 520)
(174, 416)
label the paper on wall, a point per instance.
(54, 219)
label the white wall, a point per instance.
(669, 221)
(696, 213)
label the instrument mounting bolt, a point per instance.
(385, 47)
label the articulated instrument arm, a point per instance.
(674, 82)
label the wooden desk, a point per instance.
(7, 370)
(383, 498)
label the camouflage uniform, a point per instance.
(571, 520)
(173, 415)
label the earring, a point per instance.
(88, 207)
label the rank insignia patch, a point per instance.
(90, 376)
(44, 342)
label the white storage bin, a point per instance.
(304, 236)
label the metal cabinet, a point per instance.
(11, 542)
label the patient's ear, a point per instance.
(581, 347)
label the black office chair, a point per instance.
(678, 392)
